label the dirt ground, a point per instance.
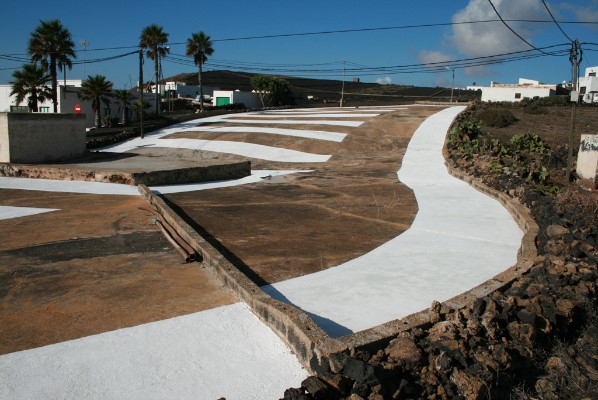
(299, 224)
(553, 124)
(96, 264)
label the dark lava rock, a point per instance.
(315, 387)
(404, 349)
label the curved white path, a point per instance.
(459, 239)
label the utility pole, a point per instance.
(453, 82)
(141, 92)
(453, 85)
(84, 43)
(575, 59)
(343, 87)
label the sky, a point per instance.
(368, 53)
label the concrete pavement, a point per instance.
(458, 239)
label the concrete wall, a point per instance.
(249, 99)
(587, 158)
(508, 93)
(33, 138)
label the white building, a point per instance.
(588, 86)
(68, 98)
(515, 92)
(182, 89)
(224, 97)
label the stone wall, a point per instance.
(35, 138)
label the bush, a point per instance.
(530, 143)
(497, 117)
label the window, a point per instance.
(44, 109)
(106, 111)
(19, 109)
(517, 95)
(592, 74)
(582, 90)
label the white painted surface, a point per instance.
(223, 352)
(256, 176)
(459, 239)
(295, 122)
(242, 149)
(49, 185)
(7, 212)
(315, 115)
(308, 134)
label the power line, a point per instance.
(429, 25)
(555, 21)
(511, 29)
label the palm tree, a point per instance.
(138, 105)
(30, 82)
(153, 38)
(98, 90)
(124, 97)
(52, 45)
(199, 46)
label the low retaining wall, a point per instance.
(382, 334)
(205, 173)
(309, 342)
(32, 138)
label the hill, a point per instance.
(329, 91)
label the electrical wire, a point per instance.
(511, 29)
(428, 25)
(555, 21)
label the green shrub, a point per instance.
(497, 117)
(530, 143)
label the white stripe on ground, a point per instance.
(7, 212)
(323, 115)
(223, 352)
(259, 151)
(256, 176)
(459, 239)
(294, 122)
(49, 185)
(309, 134)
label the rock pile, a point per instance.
(536, 338)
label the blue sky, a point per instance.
(114, 24)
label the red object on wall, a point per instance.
(77, 108)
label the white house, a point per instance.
(588, 86)
(182, 89)
(68, 98)
(224, 97)
(515, 92)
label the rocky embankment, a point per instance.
(534, 339)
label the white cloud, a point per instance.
(387, 80)
(431, 57)
(476, 40)
(586, 13)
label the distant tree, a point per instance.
(99, 90)
(137, 107)
(153, 38)
(30, 82)
(272, 91)
(124, 98)
(199, 46)
(52, 45)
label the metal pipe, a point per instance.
(182, 242)
(173, 242)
